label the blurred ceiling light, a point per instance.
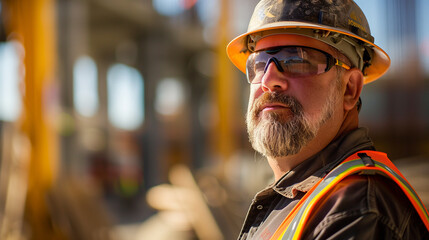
(169, 7)
(208, 11)
(173, 7)
(125, 97)
(10, 79)
(85, 86)
(170, 97)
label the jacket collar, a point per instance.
(304, 176)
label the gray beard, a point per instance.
(274, 136)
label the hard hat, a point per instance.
(338, 23)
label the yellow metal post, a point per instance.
(226, 92)
(33, 24)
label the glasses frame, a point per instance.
(331, 60)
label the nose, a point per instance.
(273, 79)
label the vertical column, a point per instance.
(34, 25)
(225, 91)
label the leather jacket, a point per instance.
(360, 207)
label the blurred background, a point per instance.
(124, 119)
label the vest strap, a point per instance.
(363, 162)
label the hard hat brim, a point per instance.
(238, 51)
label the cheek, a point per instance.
(255, 92)
(311, 98)
(317, 101)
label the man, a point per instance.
(306, 62)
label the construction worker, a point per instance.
(306, 62)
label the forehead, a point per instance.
(292, 40)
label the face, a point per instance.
(286, 113)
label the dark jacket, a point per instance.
(360, 207)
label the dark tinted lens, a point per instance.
(302, 61)
(255, 65)
(297, 62)
(250, 68)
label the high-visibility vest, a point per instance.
(363, 162)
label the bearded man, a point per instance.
(306, 62)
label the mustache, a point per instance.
(272, 98)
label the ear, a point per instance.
(353, 86)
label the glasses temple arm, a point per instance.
(342, 64)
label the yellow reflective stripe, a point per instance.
(319, 195)
(415, 200)
(409, 191)
(294, 231)
(350, 166)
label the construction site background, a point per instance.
(124, 119)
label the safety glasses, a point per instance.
(293, 61)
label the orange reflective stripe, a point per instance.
(283, 226)
(294, 224)
(392, 171)
(406, 187)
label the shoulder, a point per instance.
(365, 207)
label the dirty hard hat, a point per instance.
(338, 23)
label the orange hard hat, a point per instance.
(338, 23)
